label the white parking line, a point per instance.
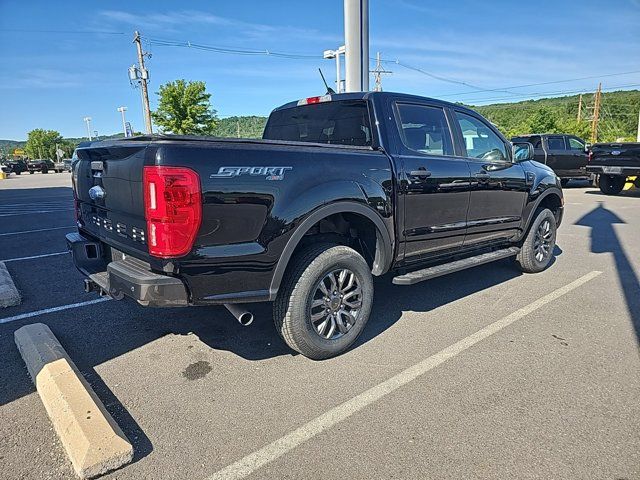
(53, 309)
(252, 462)
(34, 256)
(38, 230)
(39, 211)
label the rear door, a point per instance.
(434, 182)
(499, 187)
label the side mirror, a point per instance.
(522, 151)
(587, 147)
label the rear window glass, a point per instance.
(344, 122)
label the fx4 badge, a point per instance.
(270, 173)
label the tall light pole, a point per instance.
(330, 54)
(124, 121)
(88, 122)
(356, 40)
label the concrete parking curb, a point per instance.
(9, 295)
(93, 441)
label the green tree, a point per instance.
(184, 109)
(42, 143)
(543, 120)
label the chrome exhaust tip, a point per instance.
(244, 317)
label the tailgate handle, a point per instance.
(97, 165)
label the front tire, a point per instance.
(611, 184)
(537, 249)
(325, 300)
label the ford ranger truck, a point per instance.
(341, 188)
(614, 163)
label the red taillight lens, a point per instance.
(590, 156)
(172, 208)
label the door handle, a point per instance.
(420, 173)
(482, 175)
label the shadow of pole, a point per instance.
(605, 240)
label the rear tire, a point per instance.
(611, 184)
(325, 300)
(537, 249)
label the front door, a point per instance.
(499, 187)
(435, 183)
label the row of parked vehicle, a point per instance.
(38, 165)
(608, 165)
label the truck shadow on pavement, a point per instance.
(605, 240)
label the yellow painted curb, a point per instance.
(630, 183)
(93, 441)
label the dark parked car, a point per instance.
(41, 165)
(342, 187)
(16, 166)
(613, 163)
(565, 154)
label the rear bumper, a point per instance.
(125, 276)
(621, 171)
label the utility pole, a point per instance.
(124, 120)
(596, 115)
(142, 79)
(580, 108)
(356, 41)
(378, 72)
(88, 122)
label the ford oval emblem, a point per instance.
(615, 152)
(97, 192)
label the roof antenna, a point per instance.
(330, 90)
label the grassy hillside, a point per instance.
(618, 116)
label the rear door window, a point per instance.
(343, 122)
(424, 129)
(556, 143)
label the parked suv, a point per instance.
(567, 155)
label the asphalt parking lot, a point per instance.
(551, 389)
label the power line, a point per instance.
(539, 94)
(546, 83)
(71, 32)
(476, 89)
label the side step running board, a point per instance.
(438, 270)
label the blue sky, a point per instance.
(55, 73)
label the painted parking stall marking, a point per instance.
(254, 461)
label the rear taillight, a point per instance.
(590, 157)
(172, 208)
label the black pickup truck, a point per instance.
(614, 163)
(566, 154)
(340, 188)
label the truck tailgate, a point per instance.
(616, 154)
(108, 188)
